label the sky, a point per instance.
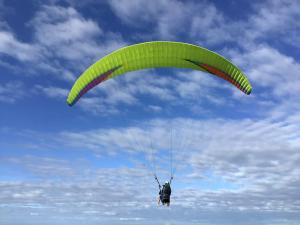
(236, 158)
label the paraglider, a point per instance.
(165, 191)
(154, 55)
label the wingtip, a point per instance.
(249, 91)
(69, 104)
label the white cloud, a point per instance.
(53, 92)
(256, 161)
(9, 45)
(129, 11)
(170, 18)
(155, 108)
(63, 42)
(277, 17)
(11, 91)
(274, 76)
(63, 34)
(251, 154)
(46, 167)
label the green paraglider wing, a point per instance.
(153, 55)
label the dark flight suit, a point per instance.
(165, 194)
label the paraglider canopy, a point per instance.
(153, 55)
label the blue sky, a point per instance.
(237, 157)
